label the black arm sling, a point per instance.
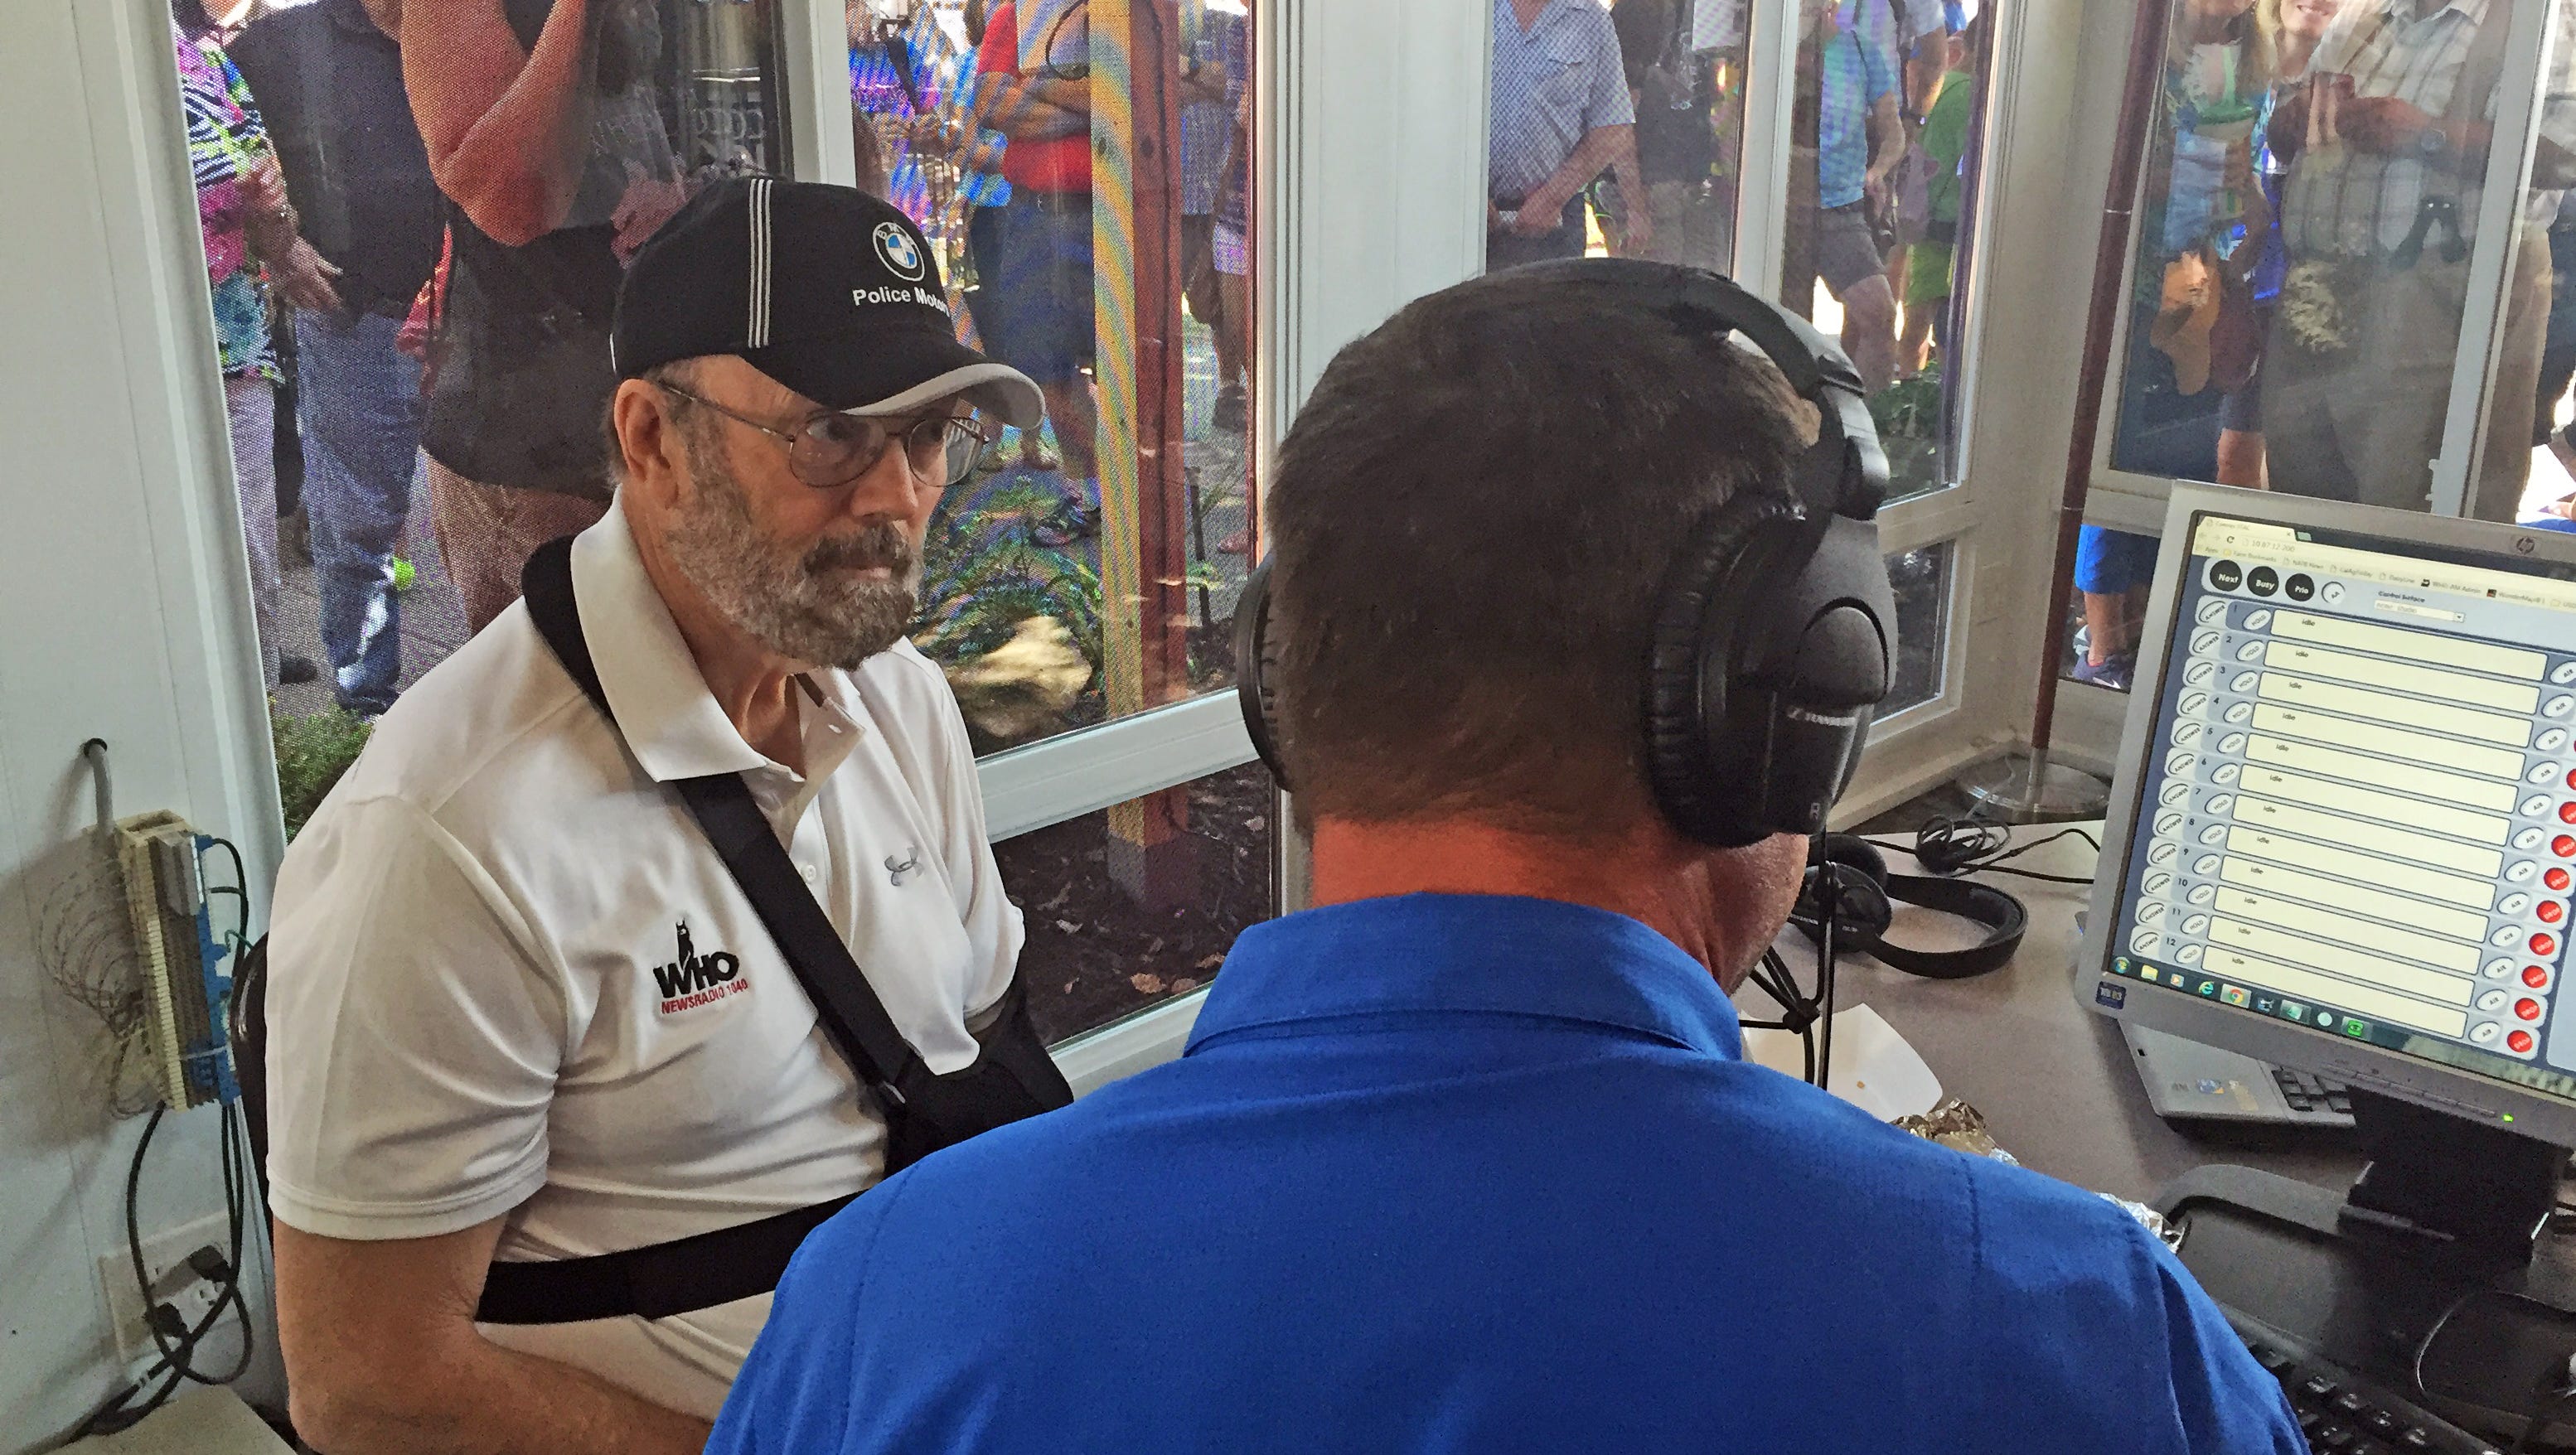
(1012, 1076)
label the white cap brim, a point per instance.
(997, 389)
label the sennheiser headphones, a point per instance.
(1866, 896)
(1778, 628)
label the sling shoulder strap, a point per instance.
(847, 1006)
(738, 1262)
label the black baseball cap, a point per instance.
(827, 290)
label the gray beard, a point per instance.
(807, 608)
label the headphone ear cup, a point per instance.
(1862, 910)
(1806, 689)
(1695, 755)
(1256, 658)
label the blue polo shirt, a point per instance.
(1446, 1173)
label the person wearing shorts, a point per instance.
(2112, 570)
(1860, 137)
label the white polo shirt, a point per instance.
(482, 1005)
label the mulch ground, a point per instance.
(1094, 953)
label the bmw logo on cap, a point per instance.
(900, 252)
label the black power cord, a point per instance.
(176, 1344)
(175, 1341)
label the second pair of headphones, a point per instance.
(1777, 633)
(1865, 900)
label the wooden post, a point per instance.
(1144, 540)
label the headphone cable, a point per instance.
(1951, 847)
(1829, 898)
(1798, 1013)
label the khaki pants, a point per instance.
(2364, 422)
(487, 532)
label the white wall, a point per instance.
(122, 615)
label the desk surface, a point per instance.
(2052, 1078)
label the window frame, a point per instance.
(2134, 500)
(1371, 152)
(1312, 137)
(1915, 748)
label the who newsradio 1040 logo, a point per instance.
(694, 980)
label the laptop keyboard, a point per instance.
(2305, 1092)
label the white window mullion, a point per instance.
(1762, 188)
(813, 52)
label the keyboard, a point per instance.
(2344, 1414)
(2311, 1093)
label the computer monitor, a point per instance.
(2342, 834)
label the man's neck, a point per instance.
(1647, 877)
(755, 686)
(1527, 12)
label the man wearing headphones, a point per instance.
(1573, 639)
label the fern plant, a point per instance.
(983, 572)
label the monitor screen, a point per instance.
(2356, 809)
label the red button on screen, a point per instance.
(2527, 1008)
(2520, 1041)
(2535, 977)
(2571, 780)
(2544, 945)
(2567, 812)
(2563, 846)
(2551, 912)
(2557, 879)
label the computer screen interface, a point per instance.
(2357, 810)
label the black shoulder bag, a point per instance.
(1012, 1077)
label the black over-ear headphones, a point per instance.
(1863, 910)
(1777, 633)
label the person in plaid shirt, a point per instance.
(2387, 144)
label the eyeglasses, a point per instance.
(829, 449)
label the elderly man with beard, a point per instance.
(519, 1011)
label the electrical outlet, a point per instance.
(165, 1263)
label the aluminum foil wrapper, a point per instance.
(1962, 1128)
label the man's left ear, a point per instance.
(648, 442)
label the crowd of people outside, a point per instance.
(2308, 225)
(416, 214)
(1617, 128)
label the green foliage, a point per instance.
(983, 573)
(1909, 408)
(312, 753)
